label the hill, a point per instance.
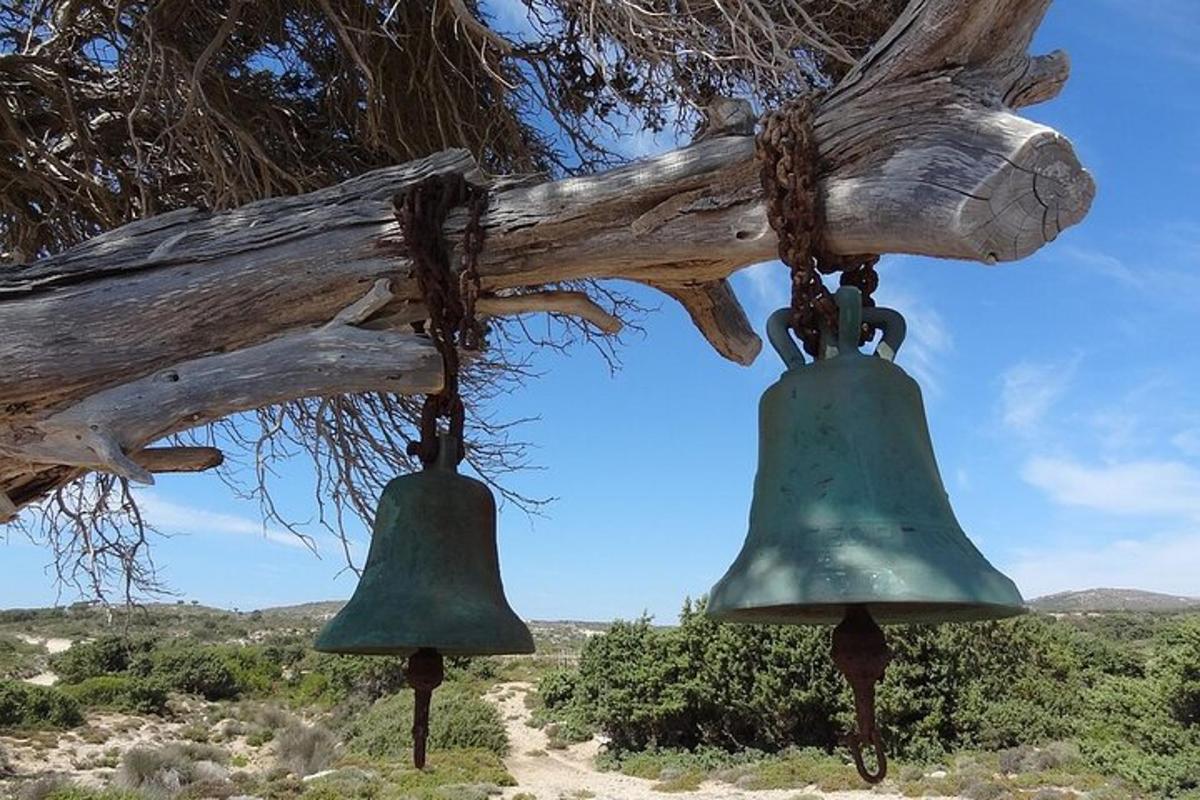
(1103, 599)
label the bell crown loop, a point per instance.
(447, 454)
(851, 316)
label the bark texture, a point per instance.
(186, 317)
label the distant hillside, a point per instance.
(1113, 600)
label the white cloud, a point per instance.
(927, 343)
(1168, 563)
(171, 517)
(1157, 488)
(1102, 263)
(768, 287)
(1028, 392)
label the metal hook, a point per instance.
(861, 655)
(854, 742)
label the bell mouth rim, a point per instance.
(905, 612)
(406, 650)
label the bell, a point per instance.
(849, 511)
(431, 585)
(432, 576)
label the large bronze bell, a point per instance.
(850, 522)
(849, 510)
(431, 583)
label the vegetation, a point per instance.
(457, 719)
(18, 658)
(305, 749)
(25, 706)
(703, 689)
(1034, 708)
(120, 693)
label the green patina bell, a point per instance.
(849, 511)
(431, 585)
(432, 576)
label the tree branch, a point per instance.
(179, 459)
(183, 318)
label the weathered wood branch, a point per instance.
(718, 315)
(179, 459)
(921, 152)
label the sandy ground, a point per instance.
(52, 646)
(569, 774)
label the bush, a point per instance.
(449, 775)
(1178, 669)
(58, 787)
(557, 688)
(169, 770)
(23, 705)
(704, 684)
(104, 656)
(327, 679)
(305, 749)
(122, 693)
(195, 670)
(18, 659)
(457, 719)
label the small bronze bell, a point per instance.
(431, 584)
(850, 521)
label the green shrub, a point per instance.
(326, 679)
(447, 773)
(457, 719)
(1130, 733)
(305, 749)
(104, 656)
(121, 692)
(196, 670)
(18, 658)
(986, 685)
(58, 787)
(556, 689)
(24, 705)
(1177, 667)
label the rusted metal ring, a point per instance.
(854, 743)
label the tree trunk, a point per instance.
(183, 318)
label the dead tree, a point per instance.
(180, 319)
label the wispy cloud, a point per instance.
(766, 287)
(1148, 488)
(928, 340)
(171, 517)
(1029, 391)
(1168, 562)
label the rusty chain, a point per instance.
(787, 154)
(421, 211)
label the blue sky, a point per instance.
(1063, 394)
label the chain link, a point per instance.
(421, 212)
(787, 153)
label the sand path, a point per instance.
(52, 646)
(570, 774)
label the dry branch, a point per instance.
(184, 318)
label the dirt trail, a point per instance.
(570, 774)
(53, 646)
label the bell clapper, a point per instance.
(861, 655)
(424, 674)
